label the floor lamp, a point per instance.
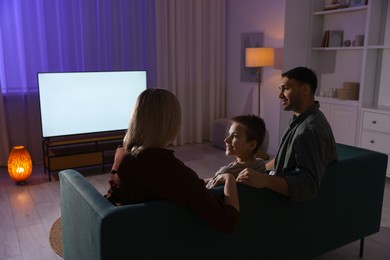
(258, 58)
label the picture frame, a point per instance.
(249, 40)
(336, 38)
(354, 3)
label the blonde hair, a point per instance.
(155, 121)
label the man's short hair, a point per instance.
(304, 75)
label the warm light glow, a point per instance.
(19, 164)
(259, 57)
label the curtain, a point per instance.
(56, 36)
(4, 145)
(190, 39)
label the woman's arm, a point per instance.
(230, 191)
(230, 188)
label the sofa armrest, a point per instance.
(82, 211)
(94, 228)
(349, 204)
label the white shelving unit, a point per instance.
(338, 64)
(374, 128)
(361, 122)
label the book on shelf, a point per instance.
(325, 39)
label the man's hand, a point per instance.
(251, 178)
(270, 164)
(262, 180)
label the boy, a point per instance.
(246, 134)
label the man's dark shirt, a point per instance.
(307, 147)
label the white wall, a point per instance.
(266, 16)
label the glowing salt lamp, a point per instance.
(19, 164)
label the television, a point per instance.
(74, 103)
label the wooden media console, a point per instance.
(80, 151)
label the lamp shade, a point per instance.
(259, 57)
(19, 164)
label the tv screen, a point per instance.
(87, 102)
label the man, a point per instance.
(307, 146)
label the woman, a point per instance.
(144, 169)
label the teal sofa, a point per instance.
(347, 208)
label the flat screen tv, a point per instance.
(73, 103)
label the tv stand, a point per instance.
(80, 151)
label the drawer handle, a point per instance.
(372, 141)
(374, 122)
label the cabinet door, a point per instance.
(343, 123)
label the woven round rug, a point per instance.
(55, 237)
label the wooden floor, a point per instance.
(27, 212)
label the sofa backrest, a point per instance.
(347, 208)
